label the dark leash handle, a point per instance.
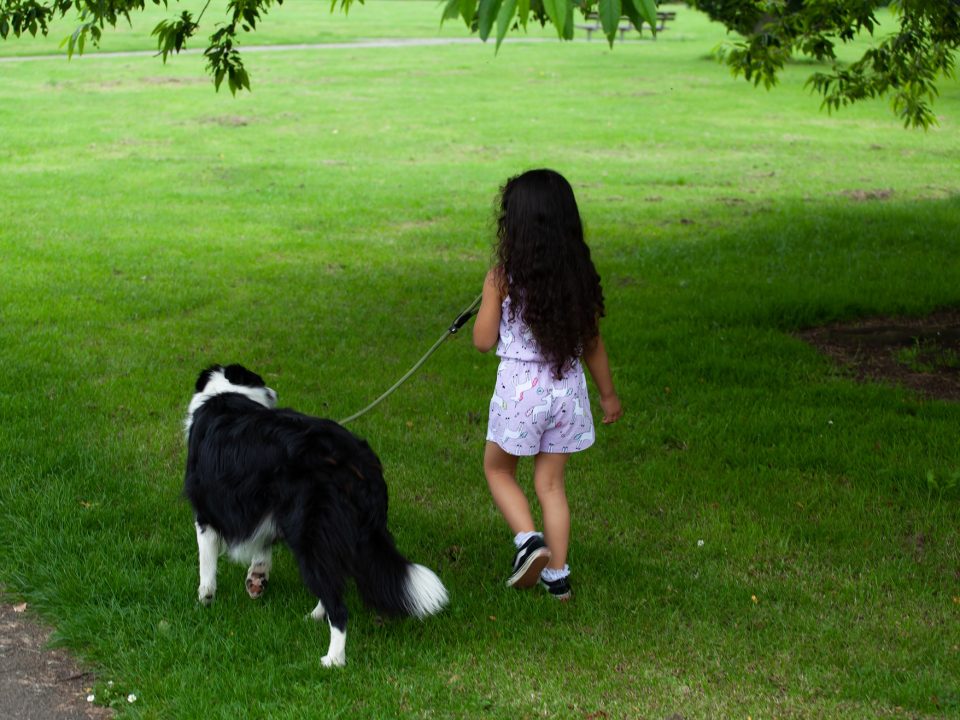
(464, 316)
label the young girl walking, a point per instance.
(541, 308)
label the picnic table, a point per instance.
(593, 23)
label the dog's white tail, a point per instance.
(392, 584)
(425, 594)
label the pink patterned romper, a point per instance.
(531, 411)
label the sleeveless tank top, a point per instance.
(516, 339)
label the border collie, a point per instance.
(257, 475)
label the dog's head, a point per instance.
(217, 380)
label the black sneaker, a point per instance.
(560, 589)
(531, 558)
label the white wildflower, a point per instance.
(131, 698)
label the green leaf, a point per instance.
(610, 11)
(629, 9)
(523, 12)
(451, 11)
(468, 8)
(504, 18)
(648, 11)
(71, 48)
(243, 78)
(557, 12)
(486, 15)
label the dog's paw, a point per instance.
(205, 594)
(256, 583)
(333, 660)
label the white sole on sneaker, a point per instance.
(528, 574)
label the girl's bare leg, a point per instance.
(500, 468)
(548, 480)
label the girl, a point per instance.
(541, 308)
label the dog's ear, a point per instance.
(205, 376)
(239, 375)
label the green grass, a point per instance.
(324, 229)
(927, 356)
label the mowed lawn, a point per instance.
(760, 536)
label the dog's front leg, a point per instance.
(208, 544)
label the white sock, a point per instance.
(551, 574)
(521, 537)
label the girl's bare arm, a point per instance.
(598, 364)
(486, 328)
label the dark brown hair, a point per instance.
(546, 264)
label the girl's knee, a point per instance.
(548, 474)
(497, 461)
(549, 485)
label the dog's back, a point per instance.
(246, 462)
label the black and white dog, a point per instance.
(257, 475)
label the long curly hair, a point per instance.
(546, 265)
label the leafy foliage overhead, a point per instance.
(905, 65)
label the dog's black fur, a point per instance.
(257, 475)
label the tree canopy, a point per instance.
(905, 65)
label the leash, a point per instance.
(452, 330)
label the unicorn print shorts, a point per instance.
(533, 412)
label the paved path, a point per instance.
(350, 45)
(37, 683)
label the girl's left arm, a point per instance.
(599, 366)
(486, 328)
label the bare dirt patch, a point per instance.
(921, 353)
(867, 195)
(226, 120)
(37, 682)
